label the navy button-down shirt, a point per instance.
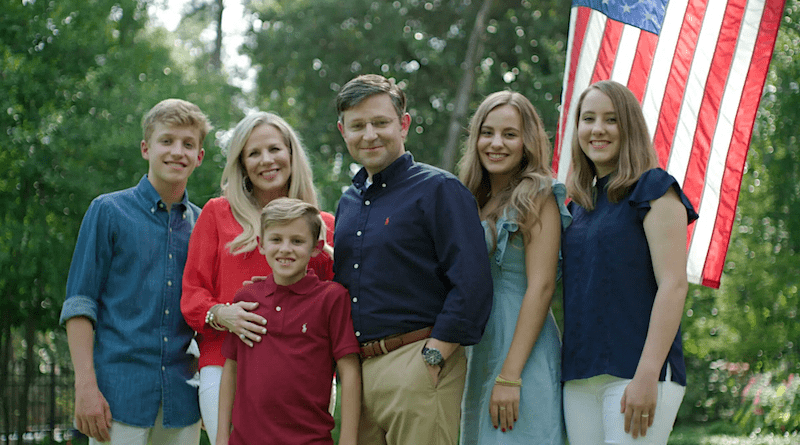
(126, 277)
(410, 249)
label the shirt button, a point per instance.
(358, 334)
(169, 283)
(152, 210)
(163, 368)
(166, 312)
(166, 339)
(161, 205)
(183, 216)
(170, 256)
(355, 299)
(355, 266)
(366, 202)
(383, 185)
(278, 308)
(358, 233)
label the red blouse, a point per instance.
(212, 275)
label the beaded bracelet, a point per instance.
(211, 319)
(499, 380)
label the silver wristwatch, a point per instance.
(432, 356)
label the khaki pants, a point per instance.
(122, 434)
(401, 404)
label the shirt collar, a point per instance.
(302, 287)
(396, 168)
(153, 199)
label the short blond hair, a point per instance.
(285, 210)
(177, 113)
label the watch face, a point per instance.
(432, 356)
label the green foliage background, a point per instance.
(76, 76)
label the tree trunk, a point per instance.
(216, 56)
(5, 360)
(465, 87)
(30, 368)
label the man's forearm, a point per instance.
(80, 338)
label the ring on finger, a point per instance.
(645, 415)
(502, 408)
(241, 336)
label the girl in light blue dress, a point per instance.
(513, 389)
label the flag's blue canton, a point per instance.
(645, 14)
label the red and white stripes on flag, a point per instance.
(699, 81)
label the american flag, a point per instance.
(698, 67)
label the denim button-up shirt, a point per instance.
(410, 250)
(126, 277)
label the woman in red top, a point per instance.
(265, 161)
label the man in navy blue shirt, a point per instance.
(127, 336)
(410, 249)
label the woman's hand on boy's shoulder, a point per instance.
(253, 279)
(240, 319)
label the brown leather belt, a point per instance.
(389, 344)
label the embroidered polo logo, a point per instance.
(305, 328)
(386, 223)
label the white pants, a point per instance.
(591, 411)
(122, 434)
(210, 377)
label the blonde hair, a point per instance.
(282, 211)
(177, 113)
(244, 206)
(636, 153)
(534, 178)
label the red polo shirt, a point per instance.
(283, 383)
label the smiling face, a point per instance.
(172, 154)
(266, 159)
(598, 132)
(288, 248)
(500, 146)
(373, 132)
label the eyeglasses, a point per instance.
(361, 126)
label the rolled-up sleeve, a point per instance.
(461, 248)
(90, 264)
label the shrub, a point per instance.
(713, 391)
(771, 403)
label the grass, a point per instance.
(725, 434)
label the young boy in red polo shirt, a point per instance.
(277, 391)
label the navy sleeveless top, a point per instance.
(609, 283)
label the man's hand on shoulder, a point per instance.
(92, 413)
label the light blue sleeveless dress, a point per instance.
(540, 417)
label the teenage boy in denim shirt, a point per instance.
(126, 334)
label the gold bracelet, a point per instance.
(499, 380)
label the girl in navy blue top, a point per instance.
(624, 275)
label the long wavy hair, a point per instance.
(245, 207)
(636, 153)
(534, 177)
